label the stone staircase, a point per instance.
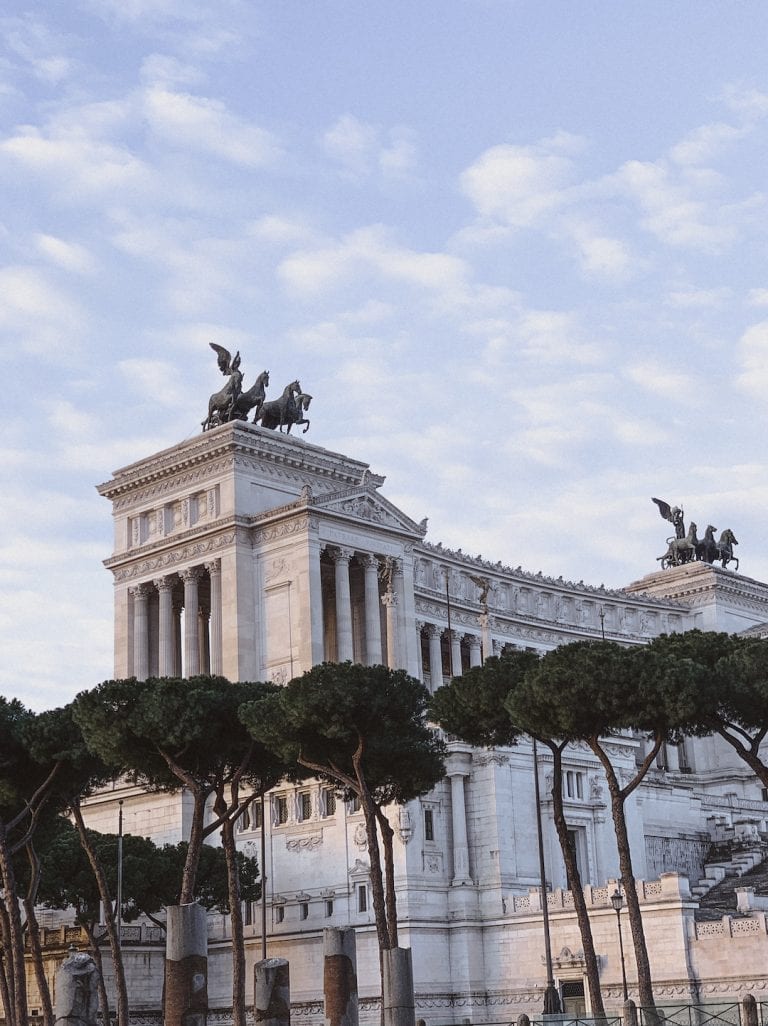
(738, 858)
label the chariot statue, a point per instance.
(233, 403)
(685, 547)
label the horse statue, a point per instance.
(254, 396)
(221, 403)
(280, 411)
(706, 549)
(680, 550)
(725, 544)
(301, 402)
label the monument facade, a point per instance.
(254, 554)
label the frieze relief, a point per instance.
(173, 558)
(308, 842)
(297, 525)
(173, 484)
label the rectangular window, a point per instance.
(279, 914)
(354, 804)
(256, 815)
(329, 908)
(247, 913)
(362, 898)
(304, 910)
(305, 805)
(429, 825)
(281, 810)
(329, 802)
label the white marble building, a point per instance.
(257, 555)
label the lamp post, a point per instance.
(617, 900)
(551, 996)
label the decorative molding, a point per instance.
(285, 529)
(309, 842)
(174, 557)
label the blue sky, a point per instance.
(516, 250)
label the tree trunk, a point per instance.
(15, 932)
(748, 753)
(235, 911)
(98, 959)
(109, 916)
(591, 966)
(196, 834)
(34, 936)
(390, 898)
(6, 992)
(644, 982)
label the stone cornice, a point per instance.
(699, 583)
(146, 564)
(175, 541)
(240, 439)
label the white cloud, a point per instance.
(517, 185)
(156, 380)
(39, 316)
(705, 143)
(70, 256)
(204, 124)
(701, 298)
(758, 297)
(601, 256)
(669, 382)
(312, 271)
(363, 149)
(753, 356)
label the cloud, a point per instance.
(70, 256)
(312, 271)
(600, 255)
(758, 297)
(753, 357)
(517, 185)
(199, 123)
(705, 143)
(38, 315)
(363, 149)
(155, 380)
(668, 382)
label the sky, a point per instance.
(515, 249)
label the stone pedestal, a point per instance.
(186, 966)
(340, 977)
(272, 992)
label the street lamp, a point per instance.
(551, 996)
(617, 900)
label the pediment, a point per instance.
(370, 507)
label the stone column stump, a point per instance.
(399, 1001)
(186, 966)
(340, 977)
(272, 992)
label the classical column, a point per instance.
(204, 647)
(214, 573)
(372, 610)
(178, 606)
(475, 656)
(344, 647)
(455, 653)
(141, 594)
(389, 601)
(434, 633)
(419, 625)
(457, 769)
(191, 576)
(488, 644)
(166, 641)
(401, 657)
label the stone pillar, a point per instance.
(272, 992)
(401, 656)
(186, 966)
(749, 1006)
(214, 573)
(141, 595)
(191, 576)
(344, 647)
(671, 757)
(177, 608)
(455, 654)
(372, 611)
(389, 600)
(419, 625)
(434, 633)
(488, 645)
(77, 990)
(204, 645)
(475, 651)
(166, 643)
(457, 768)
(340, 977)
(397, 988)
